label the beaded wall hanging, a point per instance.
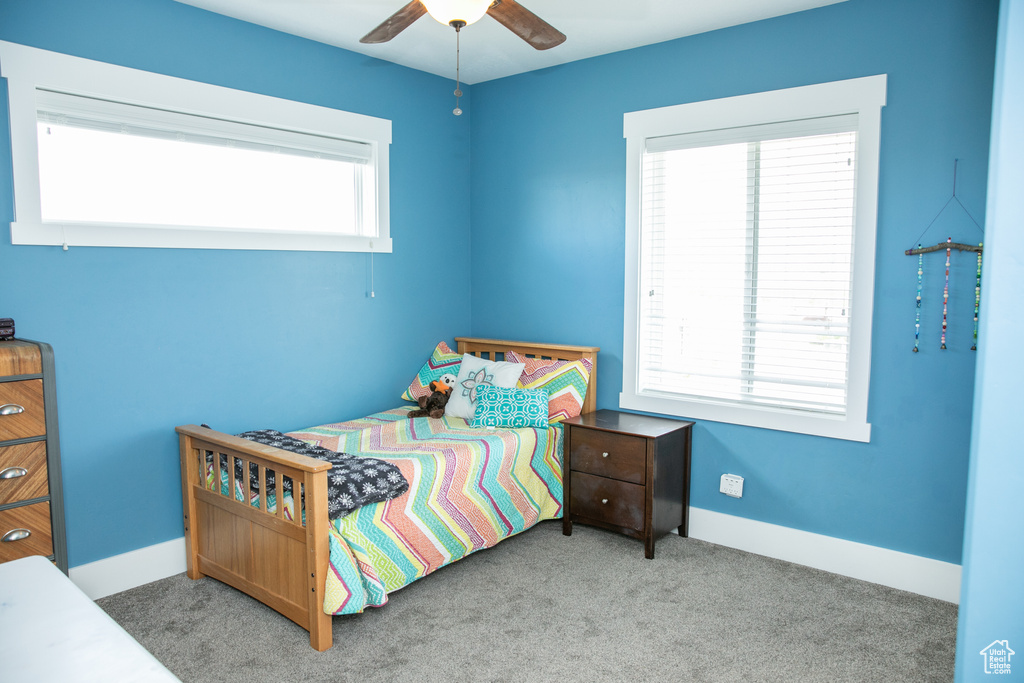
(948, 246)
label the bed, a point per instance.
(469, 488)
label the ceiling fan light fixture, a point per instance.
(448, 11)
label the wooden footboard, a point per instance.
(281, 562)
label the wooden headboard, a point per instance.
(494, 349)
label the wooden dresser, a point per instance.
(628, 473)
(31, 497)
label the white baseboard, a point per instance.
(913, 573)
(128, 570)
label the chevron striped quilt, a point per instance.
(469, 489)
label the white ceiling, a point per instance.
(489, 51)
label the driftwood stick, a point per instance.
(943, 245)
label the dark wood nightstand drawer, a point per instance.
(605, 454)
(608, 500)
(24, 400)
(627, 473)
(23, 473)
(34, 519)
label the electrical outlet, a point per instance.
(732, 485)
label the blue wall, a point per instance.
(992, 596)
(146, 339)
(548, 234)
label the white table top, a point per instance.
(51, 631)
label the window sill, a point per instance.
(186, 238)
(815, 425)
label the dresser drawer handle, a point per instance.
(16, 535)
(11, 409)
(604, 501)
(604, 455)
(13, 473)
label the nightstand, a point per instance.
(627, 473)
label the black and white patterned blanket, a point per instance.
(352, 482)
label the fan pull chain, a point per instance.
(458, 90)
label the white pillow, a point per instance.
(476, 371)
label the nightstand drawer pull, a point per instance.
(13, 473)
(604, 455)
(604, 501)
(16, 535)
(11, 409)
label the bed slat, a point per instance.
(279, 496)
(215, 486)
(263, 487)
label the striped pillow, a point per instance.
(565, 381)
(443, 360)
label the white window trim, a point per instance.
(28, 69)
(862, 96)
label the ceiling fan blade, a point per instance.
(525, 24)
(396, 23)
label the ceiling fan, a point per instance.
(459, 13)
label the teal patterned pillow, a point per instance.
(499, 407)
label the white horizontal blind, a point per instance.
(746, 265)
(118, 117)
(107, 162)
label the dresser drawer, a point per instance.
(608, 500)
(25, 401)
(606, 454)
(23, 473)
(19, 357)
(35, 519)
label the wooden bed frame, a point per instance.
(282, 562)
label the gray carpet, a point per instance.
(544, 607)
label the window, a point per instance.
(109, 156)
(750, 258)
